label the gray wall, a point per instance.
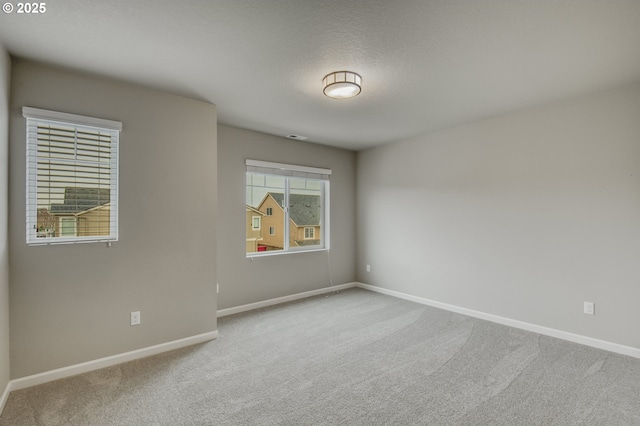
(524, 216)
(5, 73)
(244, 281)
(71, 303)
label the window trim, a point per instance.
(69, 219)
(253, 223)
(296, 171)
(313, 232)
(79, 122)
(63, 117)
(282, 169)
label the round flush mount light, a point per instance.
(342, 84)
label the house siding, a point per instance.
(254, 237)
(274, 242)
(94, 222)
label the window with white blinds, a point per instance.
(72, 178)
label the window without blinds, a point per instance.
(292, 202)
(72, 185)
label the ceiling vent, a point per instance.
(297, 137)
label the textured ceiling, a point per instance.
(425, 65)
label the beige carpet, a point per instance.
(353, 358)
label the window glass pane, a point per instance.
(67, 227)
(289, 209)
(305, 206)
(274, 181)
(309, 233)
(265, 192)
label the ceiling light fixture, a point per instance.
(342, 84)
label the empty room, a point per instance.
(355, 212)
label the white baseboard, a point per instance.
(278, 300)
(84, 367)
(565, 335)
(4, 397)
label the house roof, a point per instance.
(305, 210)
(254, 210)
(80, 199)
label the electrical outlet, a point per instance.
(368, 268)
(135, 318)
(589, 308)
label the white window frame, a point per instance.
(269, 211)
(312, 233)
(35, 117)
(296, 171)
(253, 223)
(272, 231)
(71, 219)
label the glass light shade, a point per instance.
(342, 84)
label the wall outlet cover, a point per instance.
(589, 308)
(135, 318)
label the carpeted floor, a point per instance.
(353, 358)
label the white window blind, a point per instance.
(72, 178)
(282, 169)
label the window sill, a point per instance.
(282, 253)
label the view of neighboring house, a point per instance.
(305, 213)
(254, 229)
(84, 212)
